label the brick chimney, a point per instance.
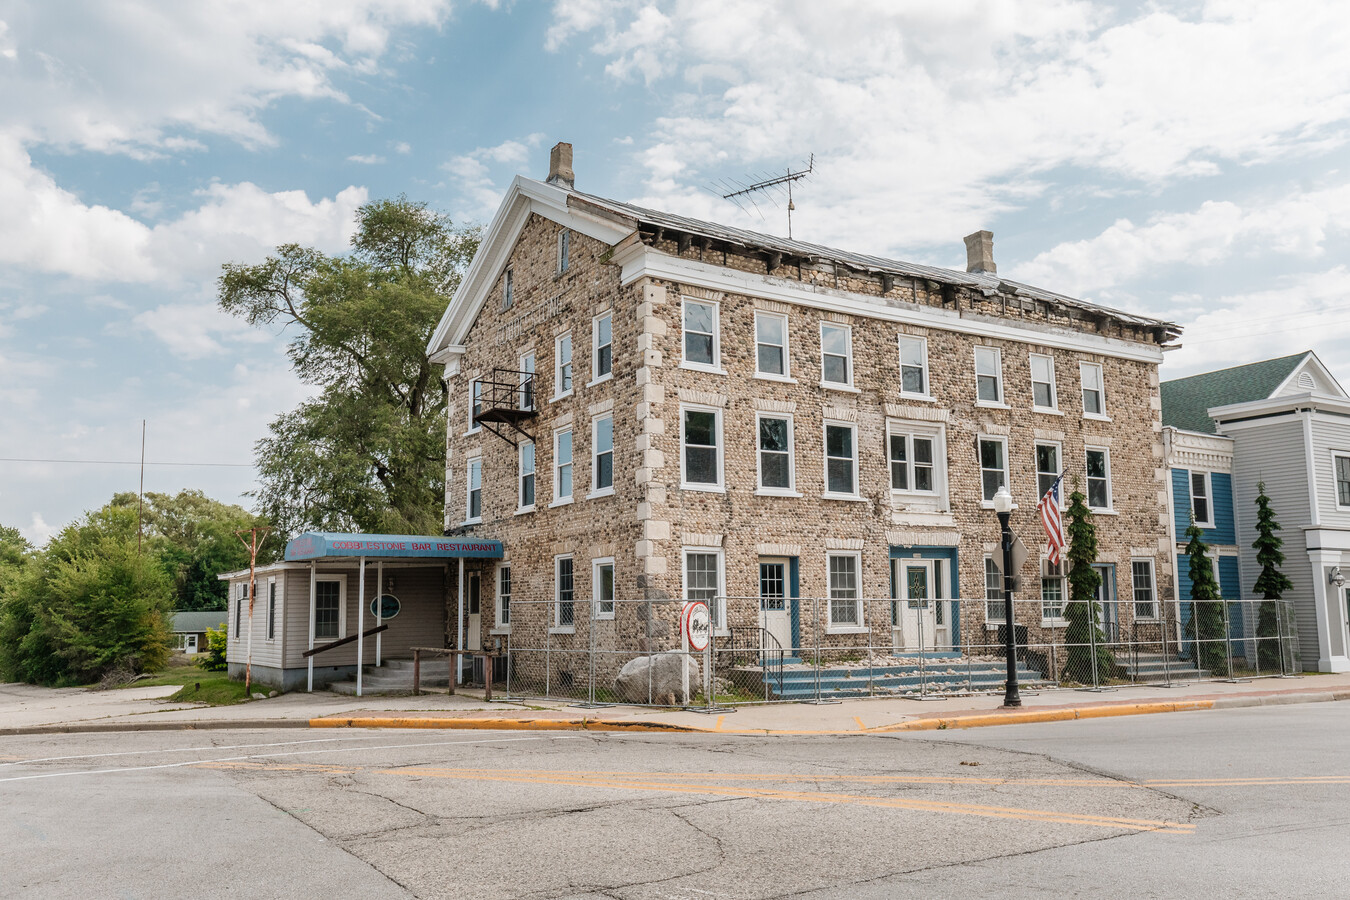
(560, 166)
(979, 252)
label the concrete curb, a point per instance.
(195, 725)
(499, 724)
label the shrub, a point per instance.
(213, 660)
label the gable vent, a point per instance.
(1306, 381)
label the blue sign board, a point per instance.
(326, 545)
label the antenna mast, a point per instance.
(767, 185)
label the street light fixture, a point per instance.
(1003, 507)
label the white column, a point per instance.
(459, 641)
(360, 626)
(379, 607)
(1328, 616)
(313, 590)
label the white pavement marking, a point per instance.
(197, 762)
(24, 762)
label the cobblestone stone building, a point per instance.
(647, 407)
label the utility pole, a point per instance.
(255, 538)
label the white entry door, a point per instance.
(474, 639)
(915, 604)
(774, 615)
(190, 644)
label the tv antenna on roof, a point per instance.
(773, 187)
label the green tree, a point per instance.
(1271, 583)
(217, 644)
(91, 602)
(1207, 614)
(368, 452)
(1084, 629)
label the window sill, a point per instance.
(604, 617)
(601, 380)
(836, 386)
(699, 367)
(499, 631)
(776, 492)
(565, 501)
(918, 398)
(704, 488)
(989, 404)
(563, 629)
(472, 431)
(847, 629)
(1047, 411)
(1059, 623)
(781, 379)
(851, 498)
(524, 509)
(992, 624)
(477, 521)
(1103, 512)
(558, 397)
(600, 494)
(1097, 417)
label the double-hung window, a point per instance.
(1341, 465)
(602, 347)
(564, 593)
(508, 290)
(527, 381)
(1201, 510)
(564, 250)
(473, 507)
(1052, 593)
(1043, 383)
(912, 462)
(1145, 592)
(1047, 469)
(602, 583)
(1098, 478)
(504, 597)
(701, 342)
(771, 351)
(993, 465)
(845, 596)
(836, 355)
(703, 581)
(526, 492)
(988, 375)
(841, 459)
(913, 366)
(994, 607)
(475, 405)
(562, 466)
(240, 599)
(701, 448)
(776, 468)
(562, 366)
(329, 615)
(1094, 394)
(602, 456)
(271, 609)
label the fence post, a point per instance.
(1092, 639)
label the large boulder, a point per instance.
(656, 679)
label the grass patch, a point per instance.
(198, 686)
(175, 675)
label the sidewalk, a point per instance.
(25, 709)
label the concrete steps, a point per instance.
(951, 675)
(395, 676)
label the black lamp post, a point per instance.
(1003, 507)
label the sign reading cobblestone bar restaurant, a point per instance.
(315, 545)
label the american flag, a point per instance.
(1052, 521)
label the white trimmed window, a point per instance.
(994, 608)
(1043, 395)
(602, 347)
(702, 347)
(602, 583)
(993, 465)
(913, 366)
(1202, 508)
(771, 347)
(564, 593)
(776, 466)
(473, 506)
(845, 595)
(1145, 590)
(1094, 392)
(527, 381)
(1047, 469)
(562, 366)
(508, 289)
(475, 406)
(1052, 593)
(701, 448)
(841, 459)
(562, 466)
(526, 470)
(271, 609)
(564, 250)
(504, 596)
(329, 615)
(913, 462)
(1340, 465)
(703, 574)
(1098, 479)
(602, 456)
(836, 355)
(240, 598)
(988, 375)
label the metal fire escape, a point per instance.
(505, 403)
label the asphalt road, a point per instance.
(1240, 803)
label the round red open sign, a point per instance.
(696, 623)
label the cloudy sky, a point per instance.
(1182, 159)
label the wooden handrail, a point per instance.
(347, 640)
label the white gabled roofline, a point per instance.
(1310, 360)
(1311, 400)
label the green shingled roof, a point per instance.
(1186, 401)
(191, 621)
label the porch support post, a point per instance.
(313, 572)
(360, 626)
(379, 607)
(458, 674)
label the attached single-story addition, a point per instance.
(330, 591)
(189, 629)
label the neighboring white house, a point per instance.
(189, 629)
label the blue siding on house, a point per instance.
(1225, 525)
(1181, 503)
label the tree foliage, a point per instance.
(217, 644)
(1271, 583)
(368, 452)
(1084, 630)
(1206, 626)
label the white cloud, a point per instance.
(369, 159)
(196, 331)
(38, 532)
(473, 176)
(403, 148)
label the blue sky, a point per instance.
(1182, 159)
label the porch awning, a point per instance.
(327, 545)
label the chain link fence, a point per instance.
(815, 649)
